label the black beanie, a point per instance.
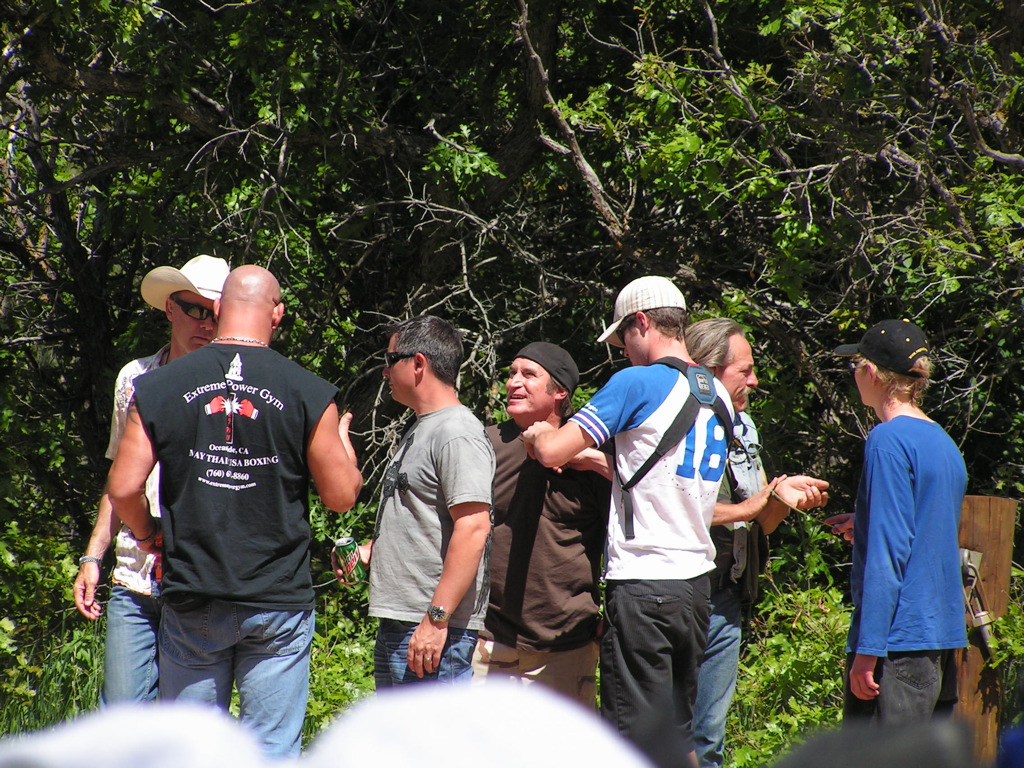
(556, 361)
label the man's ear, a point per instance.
(278, 315)
(561, 393)
(216, 309)
(643, 323)
(167, 308)
(872, 370)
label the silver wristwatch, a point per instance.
(437, 614)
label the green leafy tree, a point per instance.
(807, 168)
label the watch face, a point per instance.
(437, 613)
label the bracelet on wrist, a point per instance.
(90, 559)
(156, 530)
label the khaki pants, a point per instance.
(571, 673)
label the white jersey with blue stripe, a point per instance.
(674, 503)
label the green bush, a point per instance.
(342, 661)
(790, 675)
(54, 678)
(342, 654)
(1008, 653)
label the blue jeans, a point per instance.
(655, 632)
(264, 653)
(716, 683)
(391, 668)
(129, 658)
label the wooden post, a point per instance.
(987, 526)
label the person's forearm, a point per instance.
(743, 512)
(341, 494)
(549, 452)
(461, 562)
(332, 461)
(592, 460)
(103, 530)
(133, 510)
(126, 483)
(556, 447)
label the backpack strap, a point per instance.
(702, 395)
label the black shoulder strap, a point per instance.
(702, 395)
(394, 471)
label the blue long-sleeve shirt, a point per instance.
(906, 585)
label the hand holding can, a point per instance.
(348, 567)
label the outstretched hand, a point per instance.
(802, 491)
(842, 525)
(531, 433)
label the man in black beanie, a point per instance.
(549, 530)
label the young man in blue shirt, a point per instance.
(908, 617)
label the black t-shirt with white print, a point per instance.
(229, 425)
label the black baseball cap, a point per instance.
(892, 344)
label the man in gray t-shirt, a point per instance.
(428, 575)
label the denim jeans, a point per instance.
(716, 683)
(264, 653)
(129, 660)
(654, 637)
(912, 686)
(391, 668)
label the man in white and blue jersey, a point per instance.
(659, 557)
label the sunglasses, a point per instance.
(391, 358)
(195, 311)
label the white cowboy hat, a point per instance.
(204, 275)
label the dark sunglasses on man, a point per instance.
(195, 311)
(392, 358)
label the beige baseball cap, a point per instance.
(650, 292)
(204, 275)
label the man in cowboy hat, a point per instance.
(186, 297)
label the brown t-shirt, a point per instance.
(549, 532)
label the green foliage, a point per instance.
(341, 660)
(53, 677)
(457, 159)
(805, 167)
(790, 677)
(1007, 634)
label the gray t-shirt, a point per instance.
(443, 460)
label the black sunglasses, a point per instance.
(195, 311)
(391, 358)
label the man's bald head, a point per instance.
(252, 285)
(250, 305)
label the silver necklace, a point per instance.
(242, 339)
